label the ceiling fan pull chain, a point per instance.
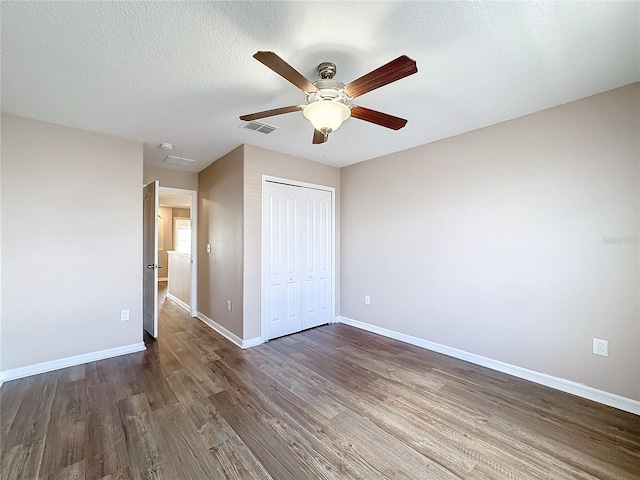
(324, 146)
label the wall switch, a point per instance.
(228, 305)
(600, 347)
(124, 315)
(367, 300)
(208, 248)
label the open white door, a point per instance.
(150, 259)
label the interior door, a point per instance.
(316, 257)
(281, 290)
(150, 259)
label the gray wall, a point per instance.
(72, 205)
(257, 162)
(497, 242)
(220, 224)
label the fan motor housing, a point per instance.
(328, 90)
(326, 70)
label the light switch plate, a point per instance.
(124, 315)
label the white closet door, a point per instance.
(281, 271)
(316, 257)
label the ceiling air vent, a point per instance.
(180, 161)
(258, 127)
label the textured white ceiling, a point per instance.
(183, 72)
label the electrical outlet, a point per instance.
(124, 315)
(228, 305)
(600, 347)
(367, 300)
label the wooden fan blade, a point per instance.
(379, 118)
(318, 137)
(282, 68)
(270, 113)
(394, 70)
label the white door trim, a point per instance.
(296, 183)
(150, 260)
(194, 243)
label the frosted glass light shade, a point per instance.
(326, 115)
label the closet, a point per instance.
(297, 254)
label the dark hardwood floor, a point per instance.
(329, 403)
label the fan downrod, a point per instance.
(326, 70)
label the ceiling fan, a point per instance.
(328, 99)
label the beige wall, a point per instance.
(95, 248)
(181, 213)
(220, 224)
(230, 218)
(166, 213)
(178, 213)
(170, 178)
(495, 242)
(179, 284)
(257, 162)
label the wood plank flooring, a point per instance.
(330, 403)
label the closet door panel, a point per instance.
(281, 244)
(316, 257)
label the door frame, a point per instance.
(296, 183)
(152, 329)
(193, 304)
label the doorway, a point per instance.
(177, 234)
(155, 228)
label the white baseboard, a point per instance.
(163, 279)
(568, 386)
(251, 342)
(69, 362)
(175, 299)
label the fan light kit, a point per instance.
(166, 146)
(328, 99)
(326, 116)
